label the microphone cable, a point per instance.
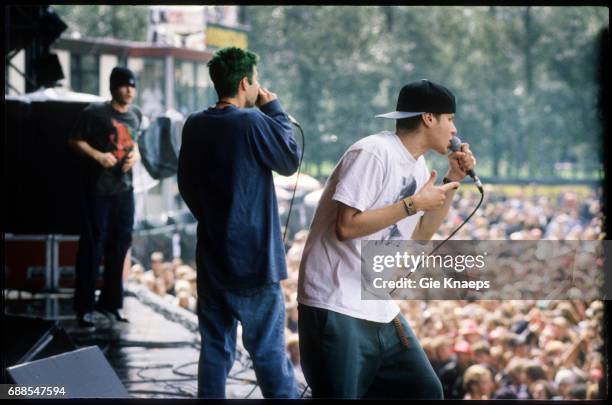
(464, 222)
(297, 125)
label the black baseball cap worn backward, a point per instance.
(422, 97)
(121, 76)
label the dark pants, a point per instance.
(106, 231)
(261, 312)
(351, 358)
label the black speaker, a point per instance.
(27, 338)
(42, 171)
(51, 26)
(22, 26)
(27, 23)
(48, 70)
(82, 373)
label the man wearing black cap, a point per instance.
(105, 134)
(380, 190)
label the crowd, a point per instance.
(480, 349)
(512, 349)
(567, 216)
(174, 281)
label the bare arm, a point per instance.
(105, 159)
(431, 220)
(352, 223)
(568, 359)
(459, 163)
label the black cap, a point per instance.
(422, 97)
(121, 76)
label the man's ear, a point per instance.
(244, 83)
(428, 119)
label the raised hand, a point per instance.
(430, 196)
(265, 97)
(460, 162)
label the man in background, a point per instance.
(106, 134)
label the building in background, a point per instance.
(197, 27)
(170, 67)
(168, 77)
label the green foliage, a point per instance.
(121, 22)
(524, 77)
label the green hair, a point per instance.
(227, 68)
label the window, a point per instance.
(192, 87)
(151, 85)
(85, 73)
(205, 92)
(184, 87)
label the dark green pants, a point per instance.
(346, 357)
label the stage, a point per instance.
(154, 355)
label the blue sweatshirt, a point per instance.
(225, 177)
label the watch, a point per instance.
(409, 205)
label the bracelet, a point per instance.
(446, 180)
(409, 206)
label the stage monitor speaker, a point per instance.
(27, 338)
(83, 373)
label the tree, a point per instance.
(121, 22)
(524, 76)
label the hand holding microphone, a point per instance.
(461, 162)
(264, 97)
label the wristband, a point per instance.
(409, 206)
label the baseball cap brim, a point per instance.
(398, 115)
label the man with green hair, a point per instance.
(227, 156)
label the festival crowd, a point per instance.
(480, 349)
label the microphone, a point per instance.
(293, 120)
(456, 147)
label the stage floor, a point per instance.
(155, 355)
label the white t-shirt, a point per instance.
(374, 172)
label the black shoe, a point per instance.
(112, 314)
(117, 315)
(85, 320)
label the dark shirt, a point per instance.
(108, 130)
(451, 377)
(438, 365)
(225, 177)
